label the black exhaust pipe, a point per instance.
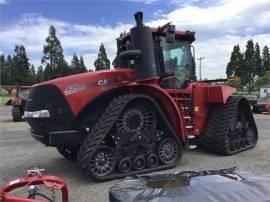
(142, 39)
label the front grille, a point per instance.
(48, 97)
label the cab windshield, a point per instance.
(176, 62)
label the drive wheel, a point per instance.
(68, 152)
(125, 165)
(102, 162)
(16, 113)
(168, 151)
(138, 116)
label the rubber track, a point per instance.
(221, 119)
(102, 129)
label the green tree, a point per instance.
(249, 61)
(102, 62)
(82, 65)
(236, 66)
(53, 59)
(9, 69)
(20, 70)
(32, 76)
(40, 74)
(75, 65)
(47, 73)
(266, 59)
(258, 60)
(3, 70)
(263, 80)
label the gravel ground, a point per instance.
(19, 152)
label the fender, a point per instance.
(219, 94)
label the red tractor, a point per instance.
(18, 103)
(138, 118)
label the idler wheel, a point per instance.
(168, 151)
(103, 162)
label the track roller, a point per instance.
(152, 160)
(125, 165)
(139, 162)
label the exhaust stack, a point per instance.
(142, 39)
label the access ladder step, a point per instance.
(190, 146)
(191, 136)
(188, 127)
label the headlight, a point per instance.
(37, 114)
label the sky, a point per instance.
(82, 25)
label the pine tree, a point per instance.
(82, 65)
(32, 76)
(236, 65)
(249, 62)
(75, 65)
(40, 74)
(266, 59)
(3, 70)
(47, 73)
(9, 69)
(102, 62)
(53, 59)
(258, 60)
(20, 70)
(62, 69)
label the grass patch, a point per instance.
(5, 98)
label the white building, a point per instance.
(265, 90)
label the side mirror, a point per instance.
(170, 33)
(129, 54)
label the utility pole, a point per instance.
(200, 69)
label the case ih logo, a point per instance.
(108, 81)
(74, 88)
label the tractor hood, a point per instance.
(98, 78)
(80, 89)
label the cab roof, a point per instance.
(180, 35)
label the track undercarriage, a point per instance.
(131, 137)
(231, 128)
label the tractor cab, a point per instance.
(170, 53)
